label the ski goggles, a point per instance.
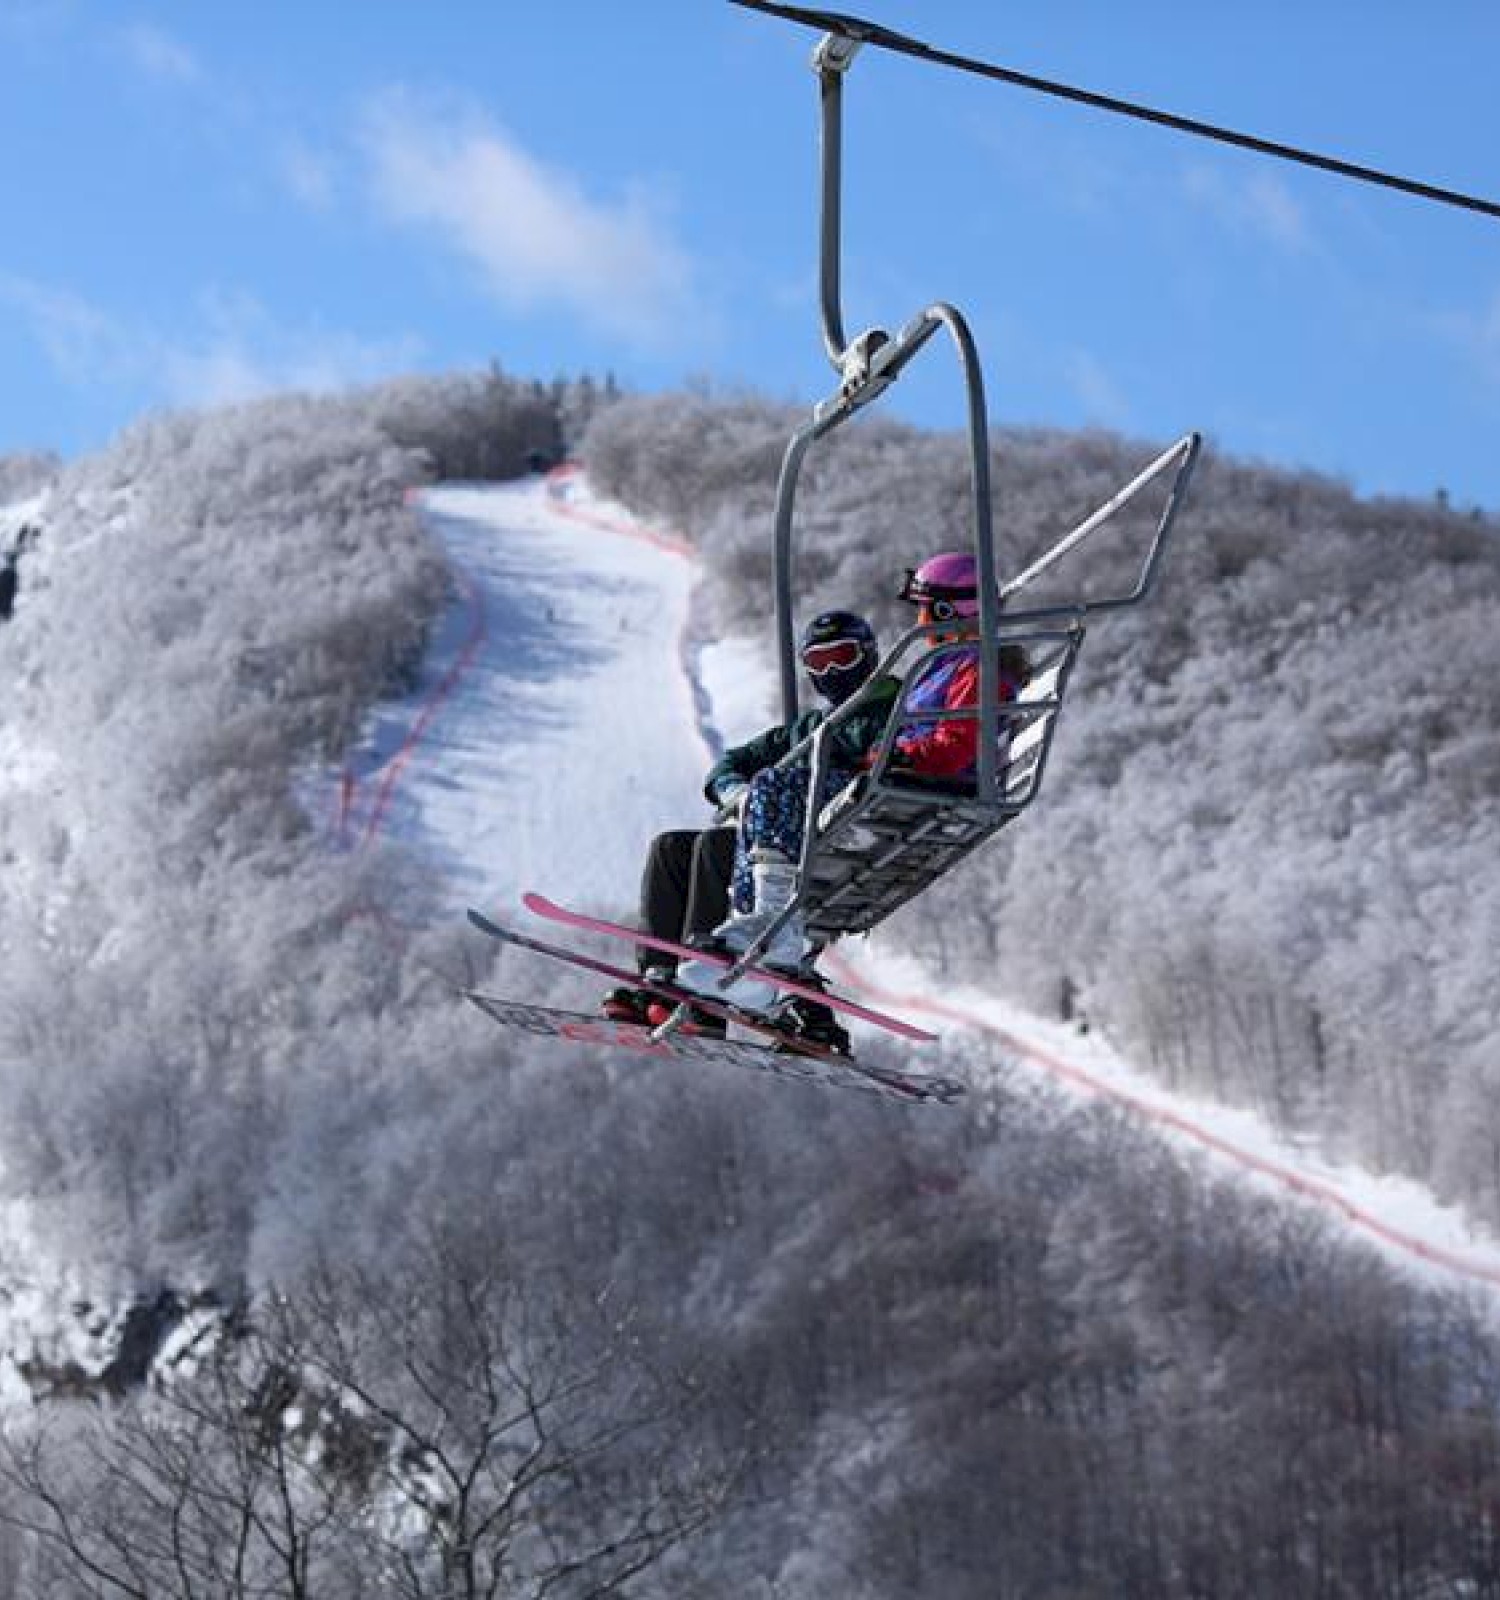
(838, 655)
(942, 604)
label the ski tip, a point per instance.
(539, 903)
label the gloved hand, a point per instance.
(731, 795)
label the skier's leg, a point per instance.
(770, 830)
(666, 889)
(764, 880)
(708, 892)
(710, 869)
(776, 811)
(665, 883)
(775, 815)
(772, 825)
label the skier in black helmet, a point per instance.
(699, 884)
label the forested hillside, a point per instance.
(1265, 862)
(314, 1284)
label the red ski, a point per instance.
(787, 1056)
(543, 907)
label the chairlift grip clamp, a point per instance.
(857, 363)
(833, 53)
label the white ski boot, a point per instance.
(775, 884)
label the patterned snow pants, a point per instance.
(774, 818)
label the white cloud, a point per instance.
(1259, 205)
(308, 174)
(239, 350)
(156, 54)
(1102, 399)
(537, 238)
(1074, 171)
(1473, 332)
(229, 348)
(76, 336)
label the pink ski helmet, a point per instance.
(949, 583)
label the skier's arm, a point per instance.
(945, 749)
(854, 739)
(738, 766)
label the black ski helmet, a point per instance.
(839, 651)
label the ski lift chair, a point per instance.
(888, 835)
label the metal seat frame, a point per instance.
(888, 835)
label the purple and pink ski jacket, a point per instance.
(947, 682)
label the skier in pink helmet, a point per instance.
(945, 588)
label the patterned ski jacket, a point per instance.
(852, 740)
(947, 681)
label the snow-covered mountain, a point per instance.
(572, 651)
(1266, 860)
(273, 721)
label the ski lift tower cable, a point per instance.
(857, 31)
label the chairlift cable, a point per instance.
(883, 38)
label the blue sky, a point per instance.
(203, 202)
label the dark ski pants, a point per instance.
(685, 888)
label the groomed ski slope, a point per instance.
(568, 712)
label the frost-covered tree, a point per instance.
(439, 1424)
(1263, 861)
(1020, 1350)
(24, 473)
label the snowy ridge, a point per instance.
(549, 758)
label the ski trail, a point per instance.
(551, 755)
(1400, 1215)
(555, 729)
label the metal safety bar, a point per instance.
(1183, 456)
